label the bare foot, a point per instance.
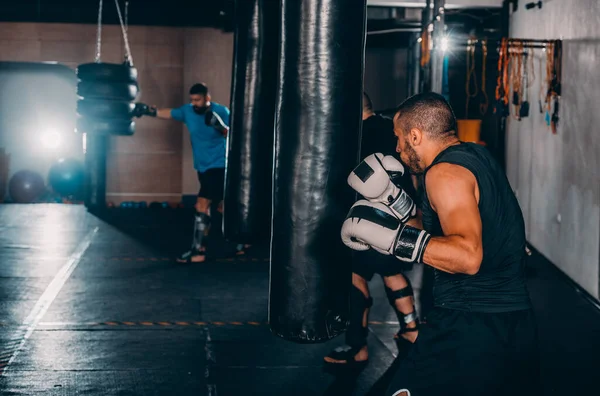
(361, 356)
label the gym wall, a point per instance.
(557, 177)
(147, 166)
(156, 163)
(208, 55)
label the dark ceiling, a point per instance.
(195, 13)
(397, 23)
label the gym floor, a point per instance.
(93, 305)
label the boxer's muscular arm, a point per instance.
(453, 193)
(165, 114)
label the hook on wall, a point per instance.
(533, 4)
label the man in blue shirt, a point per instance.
(207, 123)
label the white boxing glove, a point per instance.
(373, 225)
(370, 225)
(372, 178)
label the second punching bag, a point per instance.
(247, 201)
(317, 133)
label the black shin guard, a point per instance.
(403, 318)
(201, 223)
(356, 334)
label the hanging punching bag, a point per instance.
(247, 201)
(317, 133)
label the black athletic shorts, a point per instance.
(459, 353)
(212, 184)
(368, 263)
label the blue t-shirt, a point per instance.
(208, 144)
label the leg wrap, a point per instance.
(356, 335)
(200, 225)
(403, 318)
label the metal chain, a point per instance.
(99, 33)
(125, 38)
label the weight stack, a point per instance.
(107, 93)
(317, 135)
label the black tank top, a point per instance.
(499, 286)
(378, 137)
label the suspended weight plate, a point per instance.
(105, 126)
(107, 72)
(107, 90)
(105, 109)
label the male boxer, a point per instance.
(207, 123)
(377, 136)
(480, 338)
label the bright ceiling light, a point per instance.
(51, 139)
(444, 44)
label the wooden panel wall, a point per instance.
(154, 163)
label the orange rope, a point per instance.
(549, 62)
(499, 84)
(502, 84)
(516, 77)
(425, 50)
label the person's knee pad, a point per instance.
(356, 335)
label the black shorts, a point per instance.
(368, 263)
(472, 354)
(212, 184)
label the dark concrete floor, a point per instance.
(95, 306)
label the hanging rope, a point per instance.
(470, 75)
(516, 74)
(125, 38)
(502, 84)
(99, 34)
(517, 77)
(524, 101)
(542, 93)
(483, 107)
(548, 100)
(531, 67)
(425, 49)
(556, 81)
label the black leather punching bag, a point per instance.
(247, 201)
(317, 133)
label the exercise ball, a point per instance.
(25, 186)
(67, 177)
